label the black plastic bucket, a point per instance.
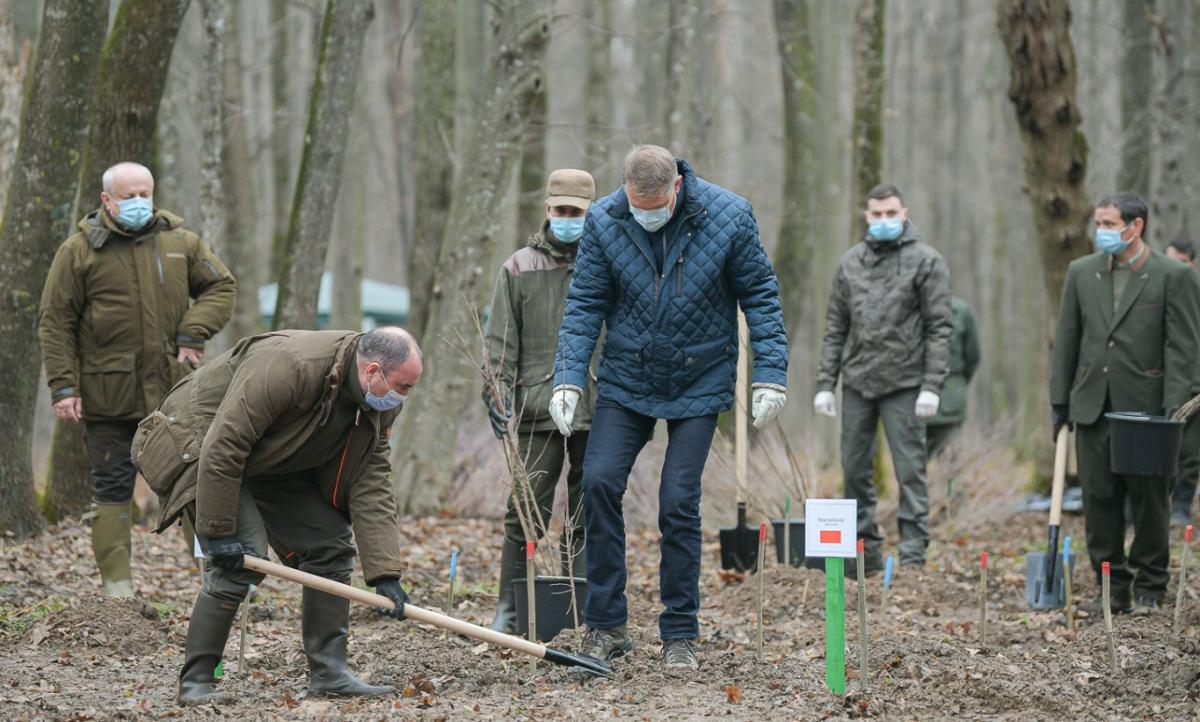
(553, 598)
(795, 541)
(1144, 445)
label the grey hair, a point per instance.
(388, 346)
(106, 180)
(649, 170)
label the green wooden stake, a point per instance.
(863, 665)
(1183, 564)
(762, 553)
(835, 625)
(787, 531)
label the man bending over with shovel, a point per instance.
(664, 263)
(283, 440)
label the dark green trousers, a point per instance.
(1144, 569)
(1184, 489)
(906, 438)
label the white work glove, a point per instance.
(825, 404)
(562, 409)
(765, 405)
(927, 404)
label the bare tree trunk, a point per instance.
(330, 107)
(281, 160)
(598, 94)
(346, 309)
(1037, 36)
(1174, 187)
(212, 108)
(37, 216)
(801, 133)
(427, 431)
(690, 111)
(124, 118)
(531, 182)
(1137, 87)
(240, 249)
(867, 129)
(433, 169)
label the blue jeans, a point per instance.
(616, 439)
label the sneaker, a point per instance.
(1145, 606)
(606, 644)
(680, 654)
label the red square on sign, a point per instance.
(831, 536)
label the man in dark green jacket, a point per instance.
(963, 360)
(1127, 339)
(887, 336)
(1184, 490)
(283, 440)
(527, 309)
(129, 303)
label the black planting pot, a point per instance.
(739, 544)
(1144, 445)
(552, 595)
(795, 540)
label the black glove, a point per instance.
(391, 589)
(499, 418)
(1059, 415)
(226, 553)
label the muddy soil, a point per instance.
(67, 653)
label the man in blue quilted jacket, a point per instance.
(664, 263)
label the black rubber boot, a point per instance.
(324, 624)
(208, 631)
(512, 566)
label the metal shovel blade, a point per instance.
(585, 663)
(1037, 592)
(739, 544)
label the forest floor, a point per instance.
(68, 653)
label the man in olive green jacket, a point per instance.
(961, 365)
(522, 332)
(129, 303)
(1127, 339)
(284, 440)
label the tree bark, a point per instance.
(240, 249)
(801, 168)
(1137, 86)
(691, 109)
(346, 309)
(426, 436)
(330, 107)
(281, 159)
(1036, 35)
(1174, 187)
(124, 118)
(598, 94)
(867, 125)
(531, 183)
(212, 108)
(37, 217)
(433, 167)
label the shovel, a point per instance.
(739, 544)
(1044, 570)
(582, 662)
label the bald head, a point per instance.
(124, 181)
(389, 355)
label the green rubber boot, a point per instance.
(111, 545)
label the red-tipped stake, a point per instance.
(762, 553)
(531, 596)
(983, 598)
(1108, 626)
(862, 617)
(1183, 564)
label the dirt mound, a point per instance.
(124, 627)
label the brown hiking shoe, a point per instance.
(1146, 606)
(680, 654)
(605, 645)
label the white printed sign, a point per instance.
(830, 527)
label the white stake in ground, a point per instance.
(1183, 562)
(1108, 626)
(531, 596)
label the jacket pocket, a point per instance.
(708, 368)
(532, 400)
(162, 450)
(108, 385)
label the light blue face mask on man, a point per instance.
(887, 229)
(386, 402)
(135, 213)
(567, 230)
(1109, 240)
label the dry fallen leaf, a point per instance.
(289, 701)
(733, 694)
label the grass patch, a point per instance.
(16, 621)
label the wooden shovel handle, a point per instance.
(1061, 448)
(361, 596)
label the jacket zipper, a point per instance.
(337, 482)
(679, 275)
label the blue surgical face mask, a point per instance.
(652, 219)
(136, 212)
(888, 229)
(1109, 240)
(567, 230)
(386, 402)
